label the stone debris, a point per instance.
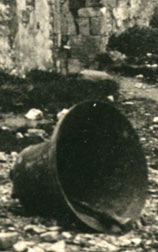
(139, 85)
(36, 133)
(107, 246)
(66, 235)
(53, 247)
(140, 76)
(3, 157)
(136, 241)
(155, 119)
(94, 75)
(51, 236)
(54, 228)
(22, 246)
(7, 239)
(34, 114)
(19, 135)
(129, 103)
(111, 98)
(34, 229)
(35, 249)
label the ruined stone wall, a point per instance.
(63, 35)
(89, 23)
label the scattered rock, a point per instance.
(142, 139)
(33, 229)
(35, 249)
(19, 135)
(94, 75)
(56, 247)
(107, 246)
(128, 102)
(140, 76)
(14, 155)
(34, 114)
(149, 55)
(8, 239)
(139, 85)
(111, 98)
(54, 228)
(36, 133)
(50, 236)
(59, 247)
(62, 113)
(155, 119)
(136, 241)
(66, 235)
(22, 246)
(3, 157)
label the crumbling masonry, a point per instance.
(63, 35)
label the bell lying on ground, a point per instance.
(93, 166)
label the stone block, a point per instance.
(103, 43)
(83, 24)
(110, 3)
(93, 63)
(74, 66)
(92, 3)
(96, 25)
(72, 30)
(85, 46)
(100, 3)
(100, 25)
(89, 12)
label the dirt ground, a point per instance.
(135, 98)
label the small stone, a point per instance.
(35, 249)
(8, 239)
(155, 119)
(50, 236)
(14, 155)
(3, 157)
(154, 65)
(66, 235)
(11, 228)
(138, 85)
(34, 114)
(62, 113)
(56, 247)
(142, 139)
(94, 75)
(107, 246)
(111, 98)
(19, 135)
(36, 133)
(22, 246)
(54, 228)
(129, 103)
(140, 76)
(149, 54)
(33, 229)
(136, 241)
(59, 247)
(123, 241)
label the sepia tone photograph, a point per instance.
(78, 125)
